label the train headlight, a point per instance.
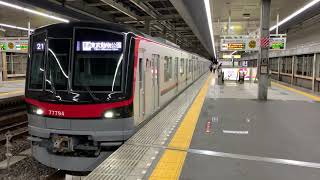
(108, 114)
(117, 113)
(39, 111)
(35, 110)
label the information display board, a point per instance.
(233, 44)
(247, 43)
(239, 44)
(278, 43)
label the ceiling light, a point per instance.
(309, 5)
(209, 17)
(33, 11)
(246, 15)
(15, 27)
(3, 30)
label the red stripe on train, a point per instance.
(86, 110)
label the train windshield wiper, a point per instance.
(52, 86)
(93, 97)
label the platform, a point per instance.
(223, 132)
(11, 88)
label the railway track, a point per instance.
(13, 118)
(57, 175)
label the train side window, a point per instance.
(182, 67)
(167, 68)
(187, 63)
(190, 66)
(140, 72)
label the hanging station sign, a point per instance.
(238, 43)
(247, 43)
(14, 44)
(233, 45)
(278, 41)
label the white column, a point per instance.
(263, 61)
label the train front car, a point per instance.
(79, 92)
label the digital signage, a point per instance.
(99, 46)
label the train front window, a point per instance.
(98, 60)
(37, 61)
(57, 64)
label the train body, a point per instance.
(91, 86)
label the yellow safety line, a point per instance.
(314, 97)
(11, 92)
(171, 162)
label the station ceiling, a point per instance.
(164, 19)
(245, 14)
(180, 21)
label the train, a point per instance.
(90, 86)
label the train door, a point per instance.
(148, 90)
(155, 80)
(141, 89)
(176, 73)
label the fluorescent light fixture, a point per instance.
(209, 17)
(15, 27)
(304, 8)
(32, 11)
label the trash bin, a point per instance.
(241, 78)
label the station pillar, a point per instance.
(263, 60)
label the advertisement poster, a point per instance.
(231, 74)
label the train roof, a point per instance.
(108, 25)
(66, 30)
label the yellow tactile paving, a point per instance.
(169, 166)
(314, 97)
(171, 162)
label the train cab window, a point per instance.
(182, 67)
(37, 61)
(98, 60)
(167, 68)
(57, 64)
